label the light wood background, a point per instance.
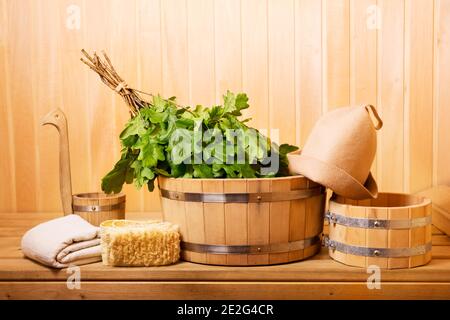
(295, 58)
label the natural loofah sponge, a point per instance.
(139, 243)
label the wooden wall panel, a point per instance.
(337, 26)
(308, 66)
(149, 50)
(418, 95)
(201, 49)
(46, 95)
(175, 50)
(7, 163)
(22, 112)
(390, 95)
(442, 92)
(74, 100)
(124, 51)
(295, 58)
(228, 47)
(364, 25)
(281, 61)
(255, 69)
(100, 102)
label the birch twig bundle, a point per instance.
(111, 78)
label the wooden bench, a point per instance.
(316, 278)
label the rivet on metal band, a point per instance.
(96, 208)
(377, 223)
(251, 249)
(376, 252)
(241, 197)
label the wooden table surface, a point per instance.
(316, 278)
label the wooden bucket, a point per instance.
(392, 231)
(98, 207)
(245, 221)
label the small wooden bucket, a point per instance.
(245, 221)
(98, 207)
(392, 231)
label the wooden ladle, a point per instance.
(58, 119)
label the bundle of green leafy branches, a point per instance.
(164, 138)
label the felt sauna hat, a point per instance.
(340, 150)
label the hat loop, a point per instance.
(379, 123)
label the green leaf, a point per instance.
(247, 171)
(241, 103)
(229, 102)
(151, 185)
(287, 148)
(147, 173)
(150, 151)
(180, 146)
(129, 141)
(159, 103)
(161, 172)
(177, 170)
(185, 123)
(114, 180)
(203, 171)
(136, 126)
(189, 173)
(155, 116)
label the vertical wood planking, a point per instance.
(419, 95)
(236, 216)
(201, 52)
(174, 46)
(391, 207)
(177, 209)
(364, 24)
(47, 95)
(357, 236)
(23, 116)
(418, 236)
(165, 203)
(308, 66)
(338, 232)
(175, 49)
(315, 207)
(149, 48)
(97, 199)
(214, 215)
(102, 114)
(174, 210)
(338, 53)
(148, 38)
(228, 49)
(428, 233)
(256, 224)
(7, 162)
(74, 92)
(363, 52)
(255, 73)
(258, 221)
(377, 238)
(281, 61)
(398, 238)
(279, 221)
(126, 54)
(290, 56)
(390, 95)
(442, 69)
(297, 219)
(195, 221)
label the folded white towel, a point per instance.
(58, 243)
